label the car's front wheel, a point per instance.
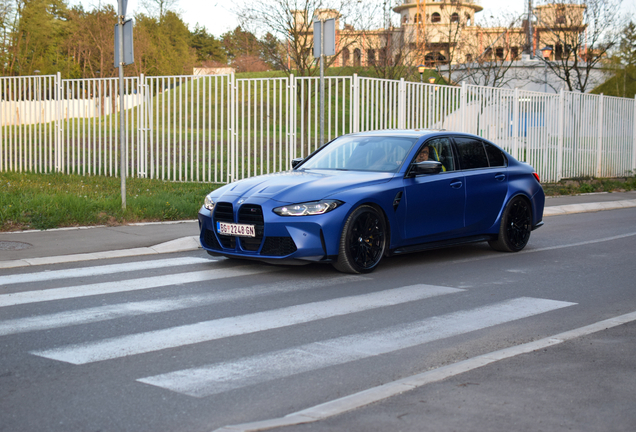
(515, 228)
(363, 241)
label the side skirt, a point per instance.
(441, 244)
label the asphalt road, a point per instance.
(183, 342)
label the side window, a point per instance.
(437, 149)
(495, 156)
(471, 153)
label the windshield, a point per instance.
(368, 153)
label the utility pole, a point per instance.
(322, 81)
(530, 31)
(121, 15)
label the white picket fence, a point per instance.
(220, 128)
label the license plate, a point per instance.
(238, 230)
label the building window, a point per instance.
(499, 52)
(405, 19)
(434, 58)
(514, 53)
(455, 17)
(382, 56)
(345, 57)
(357, 57)
(436, 17)
(371, 57)
(418, 18)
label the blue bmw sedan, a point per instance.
(367, 195)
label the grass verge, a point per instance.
(45, 201)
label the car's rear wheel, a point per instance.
(515, 228)
(363, 241)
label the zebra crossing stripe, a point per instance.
(219, 378)
(104, 313)
(99, 270)
(233, 326)
(129, 285)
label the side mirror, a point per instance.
(426, 167)
(296, 162)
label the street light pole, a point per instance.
(545, 51)
(421, 68)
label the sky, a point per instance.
(217, 16)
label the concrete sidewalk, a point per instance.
(26, 248)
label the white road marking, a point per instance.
(100, 270)
(543, 249)
(104, 313)
(214, 379)
(129, 285)
(233, 326)
(382, 392)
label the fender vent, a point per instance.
(396, 200)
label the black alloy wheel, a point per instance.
(516, 226)
(363, 241)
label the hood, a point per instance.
(299, 186)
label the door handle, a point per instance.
(456, 184)
(500, 177)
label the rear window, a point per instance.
(495, 156)
(471, 153)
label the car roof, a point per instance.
(408, 133)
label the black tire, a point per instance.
(363, 241)
(515, 228)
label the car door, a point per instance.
(435, 202)
(486, 185)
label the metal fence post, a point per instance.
(58, 122)
(463, 106)
(634, 141)
(402, 104)
(355, 109)
(561, 128)
(515, 124)
(233, 172)
(291, 117)
(599, 142)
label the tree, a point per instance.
(244, 50)
(622, 81)
(7, 16)
(580, 36)
(38, 34)
(206, 46)
(158, 8)
(271, 51)
(292, 21)
(162, 46)
(240, 42)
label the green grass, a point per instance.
(44, 201)
(590, 185)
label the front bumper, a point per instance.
(278, 238)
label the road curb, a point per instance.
(588, 207)
(385, 391)
(179, 245)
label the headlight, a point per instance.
(208, 203)
(308, 208)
